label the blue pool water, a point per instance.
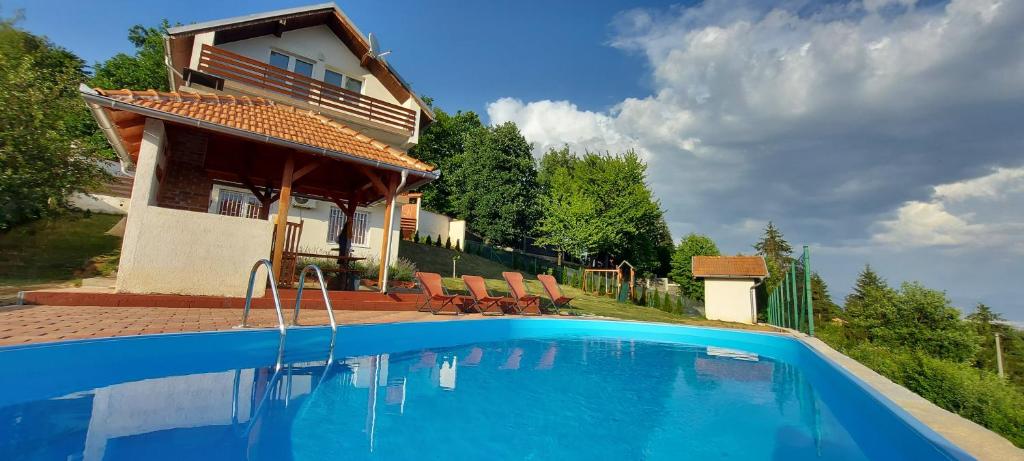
(500, 389)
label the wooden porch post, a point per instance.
(388, 203)
(283, 204)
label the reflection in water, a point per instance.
(635, 399)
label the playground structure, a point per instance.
(593, 278)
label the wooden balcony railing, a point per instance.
(232, 66)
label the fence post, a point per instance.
(793, 297)
(807, 290)
(999, 356)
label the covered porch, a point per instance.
(179, 240)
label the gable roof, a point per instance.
(729, 266)
(260, 118)
(277, 21)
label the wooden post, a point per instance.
(388, 203)
(283, 204)
(999, 357)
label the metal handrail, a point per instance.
(273, 289)
(323, 290)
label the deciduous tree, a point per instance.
(682, 266)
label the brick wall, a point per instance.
(185, 185)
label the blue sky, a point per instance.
(876, 131)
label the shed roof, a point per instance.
(729, 266)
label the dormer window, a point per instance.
(338, 79)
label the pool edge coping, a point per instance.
(971, 437)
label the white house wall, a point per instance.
(99, 203)
(183, 252)
(434, 224)
(317, 44)
(728, 300)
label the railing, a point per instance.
(790, 305)
(232, 66)
(327, 301)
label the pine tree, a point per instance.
(438, 241)
(429, 241)
(824, 308)
(448, 243)
(867, 280)
(458, 245)
(416, 237)
(777, 252)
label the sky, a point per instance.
(888, 132)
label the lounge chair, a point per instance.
(482, 300)
(554, 293)
(522, 299)
(435, 296)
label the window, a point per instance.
(242, 204)
(303, 67)
(333, 78)
(353, 85)
(359, 226)
(338, 79)
(280, 60)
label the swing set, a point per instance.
(599, 281)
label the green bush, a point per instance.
(429, 241)
(978, 395)
(438, 241)
(458, 245)
(448, 243)
(403, 270)
(416, 237)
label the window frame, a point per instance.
(335, 213)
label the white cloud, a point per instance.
(990, 215)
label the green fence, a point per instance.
(790, 304)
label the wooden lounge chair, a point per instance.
(558, 302)
(482, 300)
(521, 299)
(436, 298)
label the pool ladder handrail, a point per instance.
(273, 290)
(323, 290)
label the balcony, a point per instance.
(235, 67)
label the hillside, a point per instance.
(436, 259)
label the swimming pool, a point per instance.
(496, 389)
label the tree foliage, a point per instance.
(867, 281)
(442, 145)
(42, 158)
(601, 205)
(778, 254)
(824, 308)
(493, 184)
(682, 263)
(143, 70)
(914, 317)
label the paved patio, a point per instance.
(36, 324)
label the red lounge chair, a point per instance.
(482, 300)
(554, 293)
(435, 296)
(522, 299)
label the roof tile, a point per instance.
(729, 266)
(263, 116)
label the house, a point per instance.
(729, 283)
(288, 112)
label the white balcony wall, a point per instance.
(317, 44)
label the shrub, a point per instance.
(438, 241)
(458, 245)
(416, 237)
(403, 270)
(978, 395)
(448, 243)
(429, 241)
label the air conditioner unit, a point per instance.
(302, 202)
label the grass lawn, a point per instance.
(435, 259)
(58, 250)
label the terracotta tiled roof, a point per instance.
(729, 266)
(266, 117)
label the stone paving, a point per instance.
(35, 324)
